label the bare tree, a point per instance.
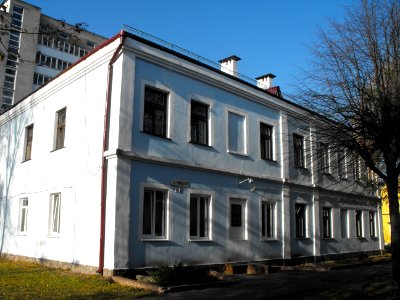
(354, 84)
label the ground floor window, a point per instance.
(23, 216)
(372, 232)
(267, 219)
(344, 223)
(55, 214)
(199, 216)
(300, 210)
(359, 229)
(326, 222)
(154, 213)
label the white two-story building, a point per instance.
(138, 154)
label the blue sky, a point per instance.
(270, 36)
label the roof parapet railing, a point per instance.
(191, 54)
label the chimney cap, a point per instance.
(266, 75)
(232, 57)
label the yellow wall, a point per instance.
(385, 215)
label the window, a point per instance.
(267, 219)
(199, 216)
(155, 112)
(236, 133)
(60, 129)
(266, 141)
(54, 216)
(300, 210)
(326, 223)
(356, 167)
(324, 158)
(90, 44)
(359, 228)
(237, 219)
(154, 213)
(342, 172)
(372, 224)
(28, 142)
(298, 144)
(344, 223)
(199, 123)
(23, 215)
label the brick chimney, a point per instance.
(229, 65)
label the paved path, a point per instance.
(283, 283)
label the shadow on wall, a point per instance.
(12, 136)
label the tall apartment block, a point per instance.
(34, 48)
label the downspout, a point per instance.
(122, 37)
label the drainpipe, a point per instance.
(122, 37)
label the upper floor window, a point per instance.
(267, 219)
(28, 142)
(236, 133)
(341, 158)
(298, 149)
(199, 123)
(60, 128)
(326, 222)
(266, 141)
(90, 44)
(155, 112)
(300, 211)
(356, 167)
(324, 158)
(199, 216)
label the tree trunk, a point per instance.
(392, 188)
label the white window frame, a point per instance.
(55, 138)
(243, 114)
(362, 223)
(325, 158)
(234, 199)
(54, 215)
(345, 226)
(167, 214)
(210, 104)
(210, 195)
(23, 216)
(345, 169)
(170, 96)
(306, 234)
(330, 228)
(374, 234)
(303, 137)
(274, 216)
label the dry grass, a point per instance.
(23, 280)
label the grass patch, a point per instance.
(25, 280)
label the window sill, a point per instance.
(53, 236)
(302, 238)
(301, 168)
(54, 150)
(238, 153)
(269, 240)
(195, 240)
(155, 240)
(328, 238)
(26, 160)
(198, 144)
(269, 160)
(21, 234)
(155, 135)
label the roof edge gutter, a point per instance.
(103, 197)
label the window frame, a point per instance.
(145, 186)
(298, 151)
(59, 142)
(194, 120)
(263, 139)
(28, 142)
(324, 158)
(372, 224)
(149, 106)
(327, 232)
(209, 196)
(23, 216)
(301, 233)
(358, 215)
(344, 226)
(342, 163)
(55, 221)
(264, 220)
(244, 129)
